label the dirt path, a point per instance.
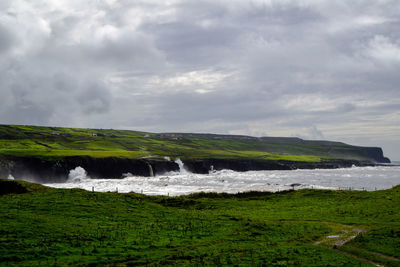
(357, 257)
(345, 234)
(357, 232)
(379, 254)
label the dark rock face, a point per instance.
(375, 153)
(44, 171)
(204, 166)
(32, 169)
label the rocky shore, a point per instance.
(57, 170)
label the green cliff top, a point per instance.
(56, 142)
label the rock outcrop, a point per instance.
(376, 153)
(49, 171)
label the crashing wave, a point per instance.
(77, 175)
(182, 169)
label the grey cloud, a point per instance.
(185, 42)
(282, 15)
(6, 39)
(94, 98)
(346, 107)
(26, 112)
(131, 50)
(311, 133)
(279, 67)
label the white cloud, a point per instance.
(383, 50)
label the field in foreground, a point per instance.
(43, 226)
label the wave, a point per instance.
(181, 166)
(184, 182)
(77, 175)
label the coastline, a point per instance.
(57, 170)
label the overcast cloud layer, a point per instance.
(313, 69)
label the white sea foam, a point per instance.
(77, 175)
(181, 165)
(127, 174)
(184, 182)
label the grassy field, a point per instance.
(43, 226)
(54, 142)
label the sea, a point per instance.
(228, 181)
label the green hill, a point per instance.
(55, 142)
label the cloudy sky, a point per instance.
(308, 68)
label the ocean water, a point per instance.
(183, 182)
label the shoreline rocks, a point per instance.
(57, 170)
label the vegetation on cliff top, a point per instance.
(55, 142)
(43, 226)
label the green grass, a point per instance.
(381, 239)
(47, 142)
(371, 256)
(68, 153)
(48, 226)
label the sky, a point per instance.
(314, 69)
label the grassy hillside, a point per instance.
(51, 142)
(43, 226)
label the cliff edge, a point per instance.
(47, 154)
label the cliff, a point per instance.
(50, 171)
(47, 154)
(375, 153)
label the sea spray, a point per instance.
(182, 169)
(228, 181)
(211, 169)
(127, 174)
(10, 177)
(77, 175)
(151, 172)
